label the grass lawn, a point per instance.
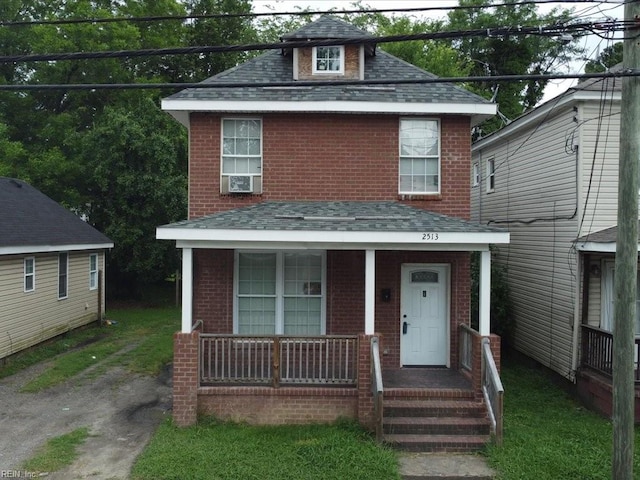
(213, 451)
(57, 452)
(140, 340)
(548, 435)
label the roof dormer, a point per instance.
(328, 61)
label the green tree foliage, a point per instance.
(609, 57)
(135, 160)
(510, 54)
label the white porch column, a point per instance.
(187, 289)
(369, 292)
(485, 293)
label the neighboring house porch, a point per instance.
(302, 311)
(594, 377)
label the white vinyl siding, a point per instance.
(29, 274)
(280, 293)
(419, 143)
(536, 181)
(30, 319)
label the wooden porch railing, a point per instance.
(376, 387)
(278, 360)
(492, 389)
(597, 351)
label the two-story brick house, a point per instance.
(328, 205)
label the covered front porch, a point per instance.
(351, 289)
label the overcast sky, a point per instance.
(591, 44)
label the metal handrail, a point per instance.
(377, 388)
(493, 390)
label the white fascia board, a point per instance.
(258, 245)
(539, 113)
(477, 109)
(596, 247)
(336, 238)
(24, 249)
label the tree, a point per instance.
(510, 54)
(135, 165)
(609, 57)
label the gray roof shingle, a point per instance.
(383, 216)
(29, 218)
(274, 67)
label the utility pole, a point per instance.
(626, 252)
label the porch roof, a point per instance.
(333, 225)
(602, 241)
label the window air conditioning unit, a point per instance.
(240, 184)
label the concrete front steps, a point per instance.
(423, 420)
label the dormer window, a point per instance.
(328, 60)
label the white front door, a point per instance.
(424, 315)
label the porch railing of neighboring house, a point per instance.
(597, 351)
(492, 389)
(376, 386)
(278, 360)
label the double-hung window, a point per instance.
(29, 274)
(241, 155)
(328, 60)
(93, 271)
(63, 275)
(419, 156)
(476, 174)
(608, 296)
(280, 293)
(491, 175)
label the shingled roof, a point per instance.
(32, 222)
(267, 80)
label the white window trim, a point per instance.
(400, 156)
(607, 295)
(279, 327)
(93, 274)
(491, 175)
(314, 60)
(222, 155)
(476, 174)
(66, 277)
(32, 274)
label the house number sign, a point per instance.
(430, 237)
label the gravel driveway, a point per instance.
(120, 409)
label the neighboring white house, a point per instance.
(51, 268)
(551, 178)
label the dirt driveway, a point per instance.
(121, 411)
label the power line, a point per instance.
(293, 84)
(160, 18)
(552, 30)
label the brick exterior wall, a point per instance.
(328, 157)
(351, 65)
(185, 378)
(596, 392)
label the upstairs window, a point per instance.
(29, 274)
(419, 156)
(476, 174)
(491, 175)
(328, 60)
(241, 155)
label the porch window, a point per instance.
(241, 155)
(280, 293)
(328, 60)
(419, 156)
(607, 308)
